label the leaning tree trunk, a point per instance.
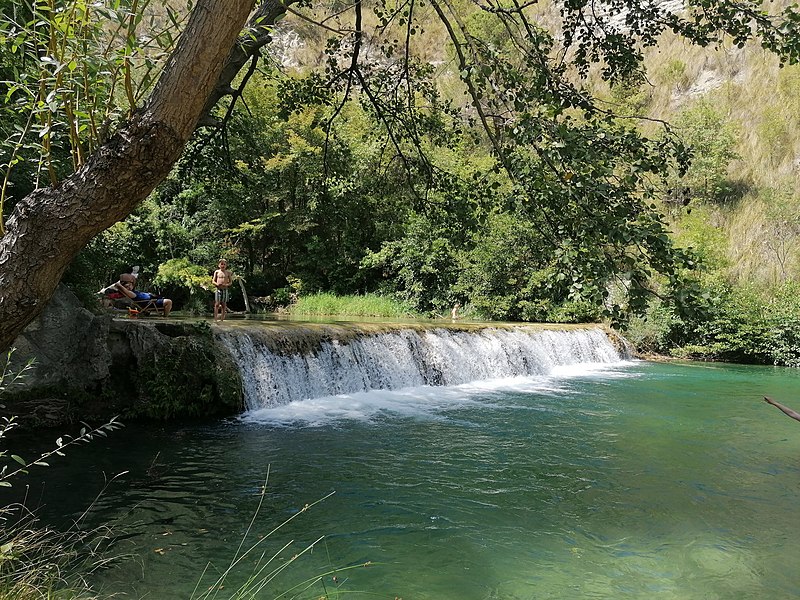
(48, 228)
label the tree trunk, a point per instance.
(48, 228)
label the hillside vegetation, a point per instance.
(443, 154)
(739, 111)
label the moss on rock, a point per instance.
(193, 378)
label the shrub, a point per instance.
(739, 324)
(782, 343)
(674, 73)
(651, 332)
(580, 311)
(423, 266)
(180, 273)
(712, 140)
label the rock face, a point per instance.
(92, 367)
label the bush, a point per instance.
(182, 274)
(712, 140)
(782, 344)
(580, 311)
(422, 267)
(738, 324)
(506, 274)
(651, 333)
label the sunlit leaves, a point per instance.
(73, 71)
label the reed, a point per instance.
(368, 305)
(264, 566)
(38, 561)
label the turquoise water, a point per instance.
(639, 480)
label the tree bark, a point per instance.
(48, 228)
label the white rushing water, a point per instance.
(407, 359)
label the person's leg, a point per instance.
(164, 305)
(223, 301)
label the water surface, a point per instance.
(637, 480)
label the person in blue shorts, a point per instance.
(125, 286)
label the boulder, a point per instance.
(91, 367)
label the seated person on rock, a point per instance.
(144, 300)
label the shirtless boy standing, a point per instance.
(222, 281)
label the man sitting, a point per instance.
(143, 300)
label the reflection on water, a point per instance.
(636, 481)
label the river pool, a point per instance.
(631, 480)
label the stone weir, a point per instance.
(92, 367)
(295, 362)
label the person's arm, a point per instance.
(785, 409)
(215, 278)
(122, 289)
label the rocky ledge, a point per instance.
(91, 367)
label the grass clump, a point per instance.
(263, 566)
(368, 305)
(39, 562)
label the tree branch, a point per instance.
(257, 34)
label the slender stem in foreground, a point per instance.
(785, 409)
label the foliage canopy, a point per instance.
(366, 170)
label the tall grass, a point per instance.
(368, 305)
(263, 566)
(37, 561)
(761, 102)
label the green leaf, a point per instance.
(19, 459)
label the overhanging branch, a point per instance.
(257, 34)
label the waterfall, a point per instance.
(277, 370)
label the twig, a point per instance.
(785, 409)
